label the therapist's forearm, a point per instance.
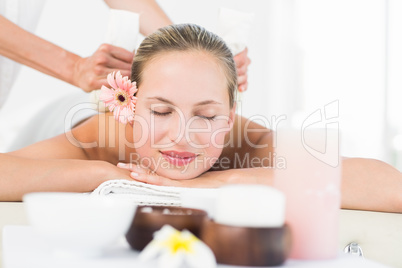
(152, 17)
(35, 52)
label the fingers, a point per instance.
(117, 52)
(114, 63)
(128, 166)
(243, 87)
(242, 70)
(136, 170)
(152, 179)
(242, 80)
(146, 175)
(242, 62)
(242, 58)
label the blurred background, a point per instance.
(307, 55)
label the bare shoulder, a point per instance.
(248, 139)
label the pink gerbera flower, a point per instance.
(120, 98)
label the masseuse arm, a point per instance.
(152, 16)
(87, 73)
(60, 164)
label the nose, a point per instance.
(176, 132)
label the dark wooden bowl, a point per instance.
(146, 223)
(247, 246)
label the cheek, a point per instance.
(141, 131)
(208, 132)
(215, 139)
(219, 133)
(147, 133)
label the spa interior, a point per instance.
(329, 66)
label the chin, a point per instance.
(180, 174)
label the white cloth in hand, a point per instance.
(234, 27)
(122, 31)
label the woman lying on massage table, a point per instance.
(183, 121)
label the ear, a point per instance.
(232, 115)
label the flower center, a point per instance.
(121, 98)
(177, 242)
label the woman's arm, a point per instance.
(71, 162)
(369, 184)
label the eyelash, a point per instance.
(211, 118)
(160, 114)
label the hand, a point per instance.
(105, 171)
(242, 62)
(209, 179)
(90, 73)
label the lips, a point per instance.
(178, 158)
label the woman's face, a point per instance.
(182, 114)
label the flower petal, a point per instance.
(152, 250)
(106, 94)
(168, 260)
(119, 80)
(202, 257)
(111, 81)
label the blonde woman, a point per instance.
(183, 123)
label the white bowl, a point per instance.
(79, 224)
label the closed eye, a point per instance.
(160, 114)
(211, 118)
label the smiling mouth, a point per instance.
(178, 158)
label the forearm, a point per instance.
(369, 184)
(35, 52)
(256, 175)
(23, 175)
(152, 17)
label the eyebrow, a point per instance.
(205, 102)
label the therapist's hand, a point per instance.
(90, 73)
(242, 62)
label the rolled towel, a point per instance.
(122, 31)
(234, 27)
(154, 195)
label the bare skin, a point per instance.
(88, 155)
(59, 165)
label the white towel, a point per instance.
(147, 194)
(234, 27)
(122, 31)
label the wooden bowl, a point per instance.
(247, 246)
(149, 219)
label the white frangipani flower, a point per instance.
(173, 249)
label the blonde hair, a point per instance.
(186, 37)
